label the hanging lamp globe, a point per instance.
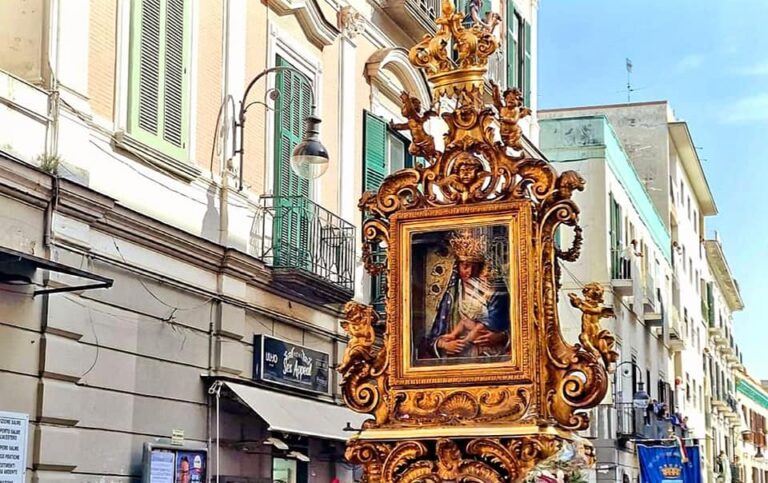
(309, 159)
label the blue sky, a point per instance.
(709, 59)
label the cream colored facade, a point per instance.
(101, 372)
(703, 355)
(616, 208)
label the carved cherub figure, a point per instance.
(422, 144)
(467, 176)
(511, 111)
(594, 340)
(359, 326)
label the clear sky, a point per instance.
(709, 59)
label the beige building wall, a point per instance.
(101, 372)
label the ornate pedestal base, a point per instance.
(476, 460)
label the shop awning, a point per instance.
(292, 414)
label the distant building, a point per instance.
(752, 444)
(699, 294)
(627, 249)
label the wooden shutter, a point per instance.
(485, 9)
(374, 172)
(375, 151)
(511, 44)
(158, 99)
(615, 235)
(293, 210)
(527, 64)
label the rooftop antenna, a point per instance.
(629, 83)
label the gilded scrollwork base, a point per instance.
(468, 406)
(478, 460)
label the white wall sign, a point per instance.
(14, 428)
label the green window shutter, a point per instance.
(291, 108)
(375, 151)
(374, 172)
(527, 64)
(292, 207)
(485, 9)
(511, 44)
(710, 305)
(159, 75)
(615, 236)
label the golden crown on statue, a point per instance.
(473, 45)
(468, 247)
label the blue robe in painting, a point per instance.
(496, 316)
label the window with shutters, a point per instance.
(385, 151)
(518, 48)
(618, 263)
(159, 75)
(292, 193)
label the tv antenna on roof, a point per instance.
(629, 83)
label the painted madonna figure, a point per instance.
(472, 317)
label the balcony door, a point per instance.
(292, 193)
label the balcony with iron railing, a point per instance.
(676, 335)
(310, 250)
(638, 423)
(621, 273)
(415, 17)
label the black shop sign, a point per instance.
(281, 362)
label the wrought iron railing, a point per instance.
(621, 267)
(302, 235)
(428, 9)
(639, 423)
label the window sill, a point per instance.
(155, 158)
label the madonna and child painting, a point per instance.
(460, 296)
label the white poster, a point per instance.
(13, 447)
(162, 466)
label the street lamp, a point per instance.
(640, 398)
(309, 159)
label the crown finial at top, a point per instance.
(465, 71)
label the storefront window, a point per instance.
(288, 471)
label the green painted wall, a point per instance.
(752, 392)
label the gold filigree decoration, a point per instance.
(599, 342)
(362, 368)
(473, 45)
(484, 171)
(480, 460)
(460, 407)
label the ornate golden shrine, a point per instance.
(473, 380)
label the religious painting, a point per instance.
(460, 296)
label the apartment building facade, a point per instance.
(191, 264)
(627, 250)
(752, 398)
(662, 153)
(722, 360)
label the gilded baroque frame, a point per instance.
(515, 215)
